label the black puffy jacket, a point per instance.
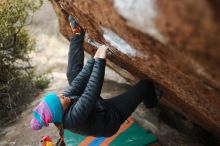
(89, 114)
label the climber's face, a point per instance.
(65, 101)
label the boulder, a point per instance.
(174, 43)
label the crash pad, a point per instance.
(129, 134)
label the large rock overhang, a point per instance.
(170, 44)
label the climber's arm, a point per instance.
(75, 57)
(78, 85)
(86, 103)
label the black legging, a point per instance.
(127, 102)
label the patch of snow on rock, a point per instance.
(140, 14)
(120, 44)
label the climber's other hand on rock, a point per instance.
(101, 52)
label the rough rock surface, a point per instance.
(174, 43)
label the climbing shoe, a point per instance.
(76, 29)
(159, 93)
(72, 22)
(153, 98)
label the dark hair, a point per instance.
(60, 141)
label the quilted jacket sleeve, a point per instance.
(75, 57)
(79, 83)
(86, 103)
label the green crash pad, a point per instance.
(129, 134)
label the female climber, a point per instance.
(80, 108)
